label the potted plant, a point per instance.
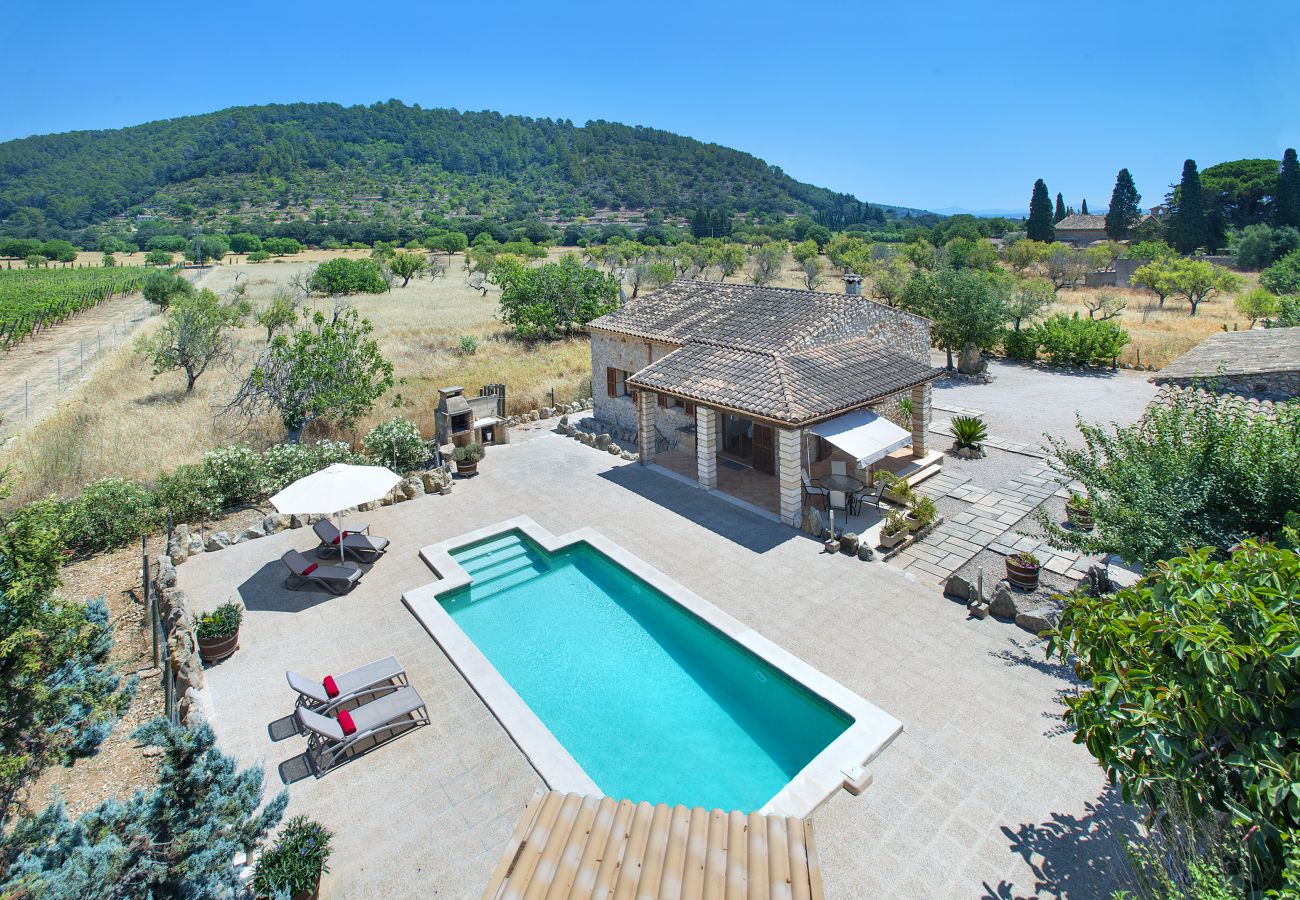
(970, 433)
(467, 459)
(1022, 571)
(218, 632)
(1078, 510)
(923, 512)
(897, 490)
(293, 865)
(895, 530)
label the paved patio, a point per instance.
(983, 795)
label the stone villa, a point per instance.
(744, 388)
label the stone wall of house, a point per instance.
(1263, 385)
(631, 355)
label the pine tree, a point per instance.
(1286, 206)
(1084, 210)
(1124, 211)
(1040, 226)
(1188, 223)
(1060, 209)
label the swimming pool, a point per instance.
(606, 676)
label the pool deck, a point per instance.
(983, 795)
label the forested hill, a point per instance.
(306, 156)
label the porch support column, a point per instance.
(706, 447)
(645, 425)
(789, 461)
(920, 420)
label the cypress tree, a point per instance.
(1060, 209)
(1189, 224)
(1040, 226)
(700, 224)
(1286, 208)
(1124, 211)
(1084, 210)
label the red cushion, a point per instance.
(346, 723)
(331, 689)
(310, 569)
(337, 539)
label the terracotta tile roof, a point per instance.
(797, 387)
(1082, 223)
(777, 353)
(746, 315)
(582, 848)
(1251, 352)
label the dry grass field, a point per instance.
(120, 422)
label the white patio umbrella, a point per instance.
(333, 489)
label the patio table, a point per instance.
(845, 483)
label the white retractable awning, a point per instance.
(863, 435)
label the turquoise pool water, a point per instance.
(652, 702)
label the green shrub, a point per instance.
(1072, 339)
(295, 861)
(1288, 313)
(1283, 277)
(258, 256)
(1021, 344)
(188, 493)
(237, 474)
(468, 344)
(110, 513)
(221, 622)
(970, 431)
(397, 443)
(895, 523)
(284, 464)
(924, 511)
(1192, 693)
(470, 453)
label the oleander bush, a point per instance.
(295, 862)
(284, 464)
(110, 513)
(188, 493)
(237, 474)
(396, 443)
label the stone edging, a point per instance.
(547, 412)
(599, 441)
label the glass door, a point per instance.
(738, 438)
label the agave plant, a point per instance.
(970, 431)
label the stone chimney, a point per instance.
(853, 285)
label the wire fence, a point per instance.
(24, 401)
(157, 631)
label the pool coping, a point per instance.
(840, 764)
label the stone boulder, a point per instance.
(430, 482)
(218, 540)
(628, 455)
(564, 420)
(614, 449)
(178, 551)
(1003, 604)
(251, 533)
(195, 545)
(297, 521)
(971, 361)
(1037, 620)
(978, 610)
(166, 573)
(849, 543)
(603, 441)
(865, 552)
(959, 588)
(275, 523)
(412, 488)
(812, 522)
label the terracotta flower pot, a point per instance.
(1022, 576)
(216, 649)
(310, 893)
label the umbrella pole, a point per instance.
(342, 558)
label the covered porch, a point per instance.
(770, 467)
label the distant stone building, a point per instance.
(1081, 230)
(1263, 363)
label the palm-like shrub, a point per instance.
(970, 431)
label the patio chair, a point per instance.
(812, 490)
(335, 690)
(869, 495)
(358, 544)
(331, 738)
(335, 579)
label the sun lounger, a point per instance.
(331, 738)
(335, 690)
(335, 579)
(361, 546)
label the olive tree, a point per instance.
(967, 309)
(407, 265)
(195, 334)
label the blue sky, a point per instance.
(935, 104)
